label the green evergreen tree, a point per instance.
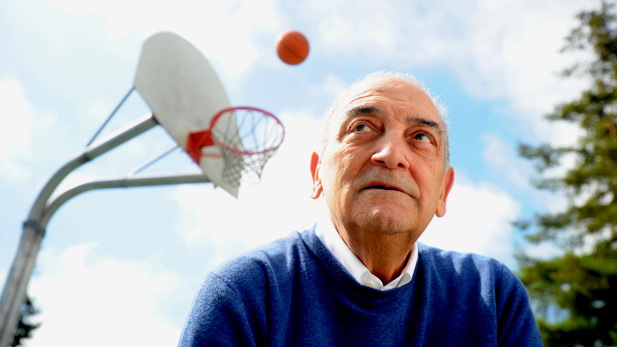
(575, 294)
(25, 326)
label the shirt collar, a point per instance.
(331, 239)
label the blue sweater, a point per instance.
(293, 292)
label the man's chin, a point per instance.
(383, 222)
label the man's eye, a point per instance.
(422, 137)
(360, 127)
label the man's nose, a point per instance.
(392, 152)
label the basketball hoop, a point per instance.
(246, 136)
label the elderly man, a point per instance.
(360, 278)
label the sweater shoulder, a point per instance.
(457, 259)
(463, 266)
(232, 305)
(268, 257)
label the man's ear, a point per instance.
(446, 186)
(315, 165)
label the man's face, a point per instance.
(383, 167)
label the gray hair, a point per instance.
(441, 109)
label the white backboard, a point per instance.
(184, 93)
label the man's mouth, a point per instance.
(374, 181)
(382, 187)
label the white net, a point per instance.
(247, 138)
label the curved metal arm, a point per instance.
(32, 232)
(125, 182)
(139, 126)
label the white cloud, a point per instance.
(16, 132)
(477, 220)
(517, 173)
(343, 26)
(508, 50)
(503, 159)
(25, 132)
(229, 32)
(87, 299)
(543, 250)
(505, 50)
(332, 86)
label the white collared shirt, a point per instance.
(328, 235)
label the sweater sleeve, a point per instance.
(516, 323)
(218, 317)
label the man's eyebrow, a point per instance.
(358, 111)
(362, 110)
(426, 122)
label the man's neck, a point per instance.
(384, 255)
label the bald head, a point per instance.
(356, 90)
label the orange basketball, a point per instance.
(292, 47)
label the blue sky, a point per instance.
(121, 266)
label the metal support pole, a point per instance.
(33, 231)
